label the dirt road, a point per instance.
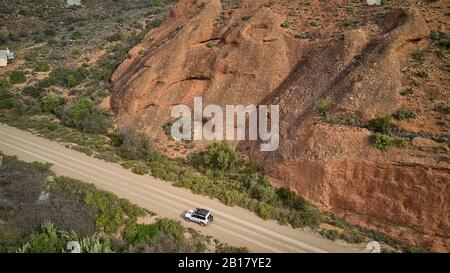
(233, 225)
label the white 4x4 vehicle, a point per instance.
(201, 216)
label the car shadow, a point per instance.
(183, 214)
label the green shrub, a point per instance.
(111, 210)
(380, 124)
(266, 211)
(17, 77)
(51, 240)
(5, 85)
(222, 157)
(353, 238)
(445, 43)
(443, 107)
(304, 35)
(171, 227)
(51, 104)
(7, 103)
(34, 108)
(76, 35)
(290, 199)
(80, 111)
(403, 114)
(422, 74)
(140, 169)
(350, 120)
(133, 145)
(350, 22)
(71, 80)
(307, 217)
(258, 187)
(414, 249)
(286, 24)
(5, 94)
(42, 67)
(31, 91)
(419, 55)
(47, 240)
(435, 35)
(135, 233)
(114, 37)
(95, 244)
(382, 141)
(129, 234)
(323, 106)
(332, 235)
(231, 249)
(406, 91)
(139, 233)
(47, 82)
(84, 149)
(67, 77)
(96, 123)
(128, 164)
(50, 32)
(400, 142)
(167, 128)
(163, 170)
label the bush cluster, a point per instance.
(403, 114)
(111, 210)
(323, 106)
(65, 77)
(381, 141)
(380, 124)
(17, 77)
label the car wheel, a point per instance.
(187, 219)
(202, 224)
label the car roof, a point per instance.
(202, 212)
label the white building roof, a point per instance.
(3, 54)
(7, 54)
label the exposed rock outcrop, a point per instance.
(203, 50)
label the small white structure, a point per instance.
(73, 247)
(374, 2)
(373, 247)
(6, 56)
(43, 197)
(74, 2)
(3, 59)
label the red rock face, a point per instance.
(235, 52)
(404, 193)
(199, 53)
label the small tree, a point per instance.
(17, 77)
(222, 157)
(323, 106)
(51, 104)
(42, 67)
(382, 141)
(31, 91)
(132, 144)
(380, 124)
(71, 80)
(5, 85)
(96, 123)
(403, 114)
(77, 114)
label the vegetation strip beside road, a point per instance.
(71, 210)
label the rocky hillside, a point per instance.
(335, 68)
